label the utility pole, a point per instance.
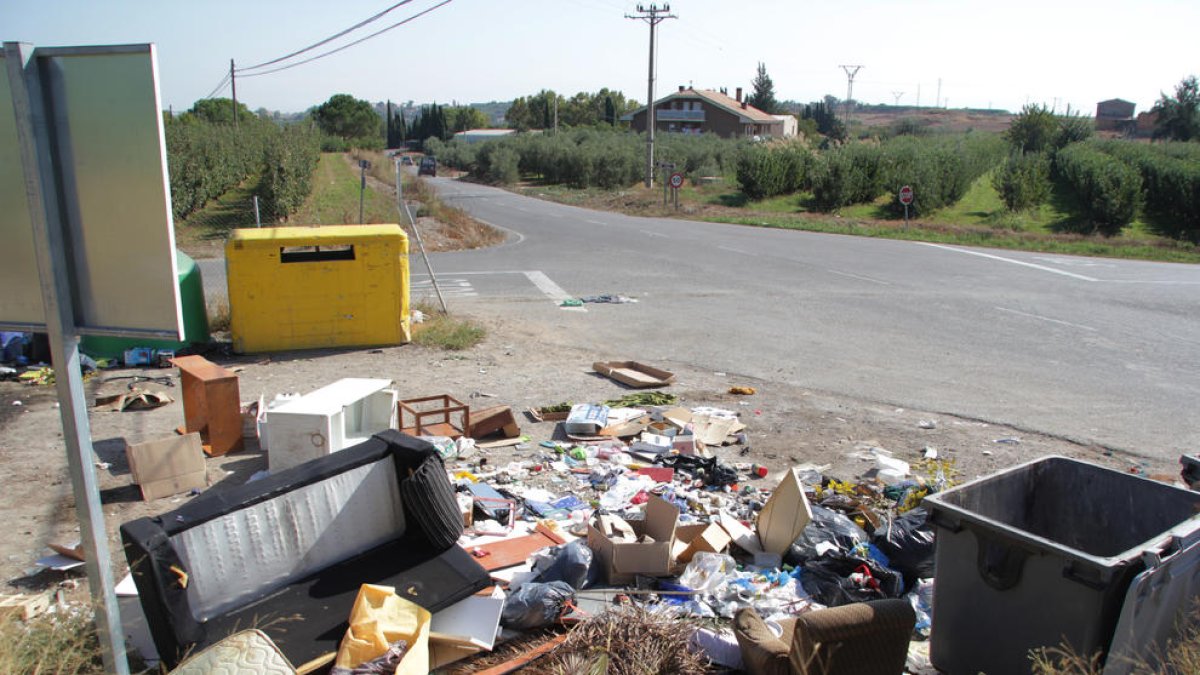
(897, 94)
(938, 103)
(918, 95)
(851, 71)
(556, 114)
(653, 16)
(233, 82)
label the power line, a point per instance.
(327, 40)
(218, 88)
(351, 44)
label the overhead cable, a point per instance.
(327, 40)
(351, 44)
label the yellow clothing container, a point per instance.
(308, 287)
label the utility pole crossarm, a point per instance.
(851, 71)
(652, 15)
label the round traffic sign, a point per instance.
(676, 180)
(906, 195)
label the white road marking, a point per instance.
(1010, 260)
(460, 288)
(595, 222)
(1046, 318)
(653, 234)
(551, 289)
(734, 250)
(860, 277)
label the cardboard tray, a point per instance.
(634, 374)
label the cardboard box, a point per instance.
(497, 419)
(784, 516)
(634, 374)
(167, 466)
(622, 559)
(692, 539)
(586, 418)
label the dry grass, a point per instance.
(1181, 657)
(60, 643)
(218, 316)
(627, 641)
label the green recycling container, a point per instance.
(195, 319)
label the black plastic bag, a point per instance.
(536, 605)
(571, 564)
(909, 542)
(829, 526)
(838, 579)
(710, 469)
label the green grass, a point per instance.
(447, 332)
(211, 225)
(334, 199)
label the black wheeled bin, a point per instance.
(1041, 554)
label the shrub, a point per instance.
(939, 169)
(1170, 182)
(847, 174)
(497, 163)
(205, 160)
(1023, 180)
(766, 171)
(1107, 191)
(289, 159)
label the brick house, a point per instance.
(695, 111)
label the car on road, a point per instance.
(428, 166)
(406, 160)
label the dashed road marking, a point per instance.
(1010, 260)
(1047, 319)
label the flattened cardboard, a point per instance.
(744, 537)
(621, 561)
(167, 466)
(586, 418)
(785, 515)
(634, 374)
(497, 419)
(712, 430)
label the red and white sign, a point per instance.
(906, 195)
(676, 180)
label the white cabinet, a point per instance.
(329, 419)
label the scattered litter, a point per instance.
(929, 452)
(1008, 440)
(927, 424)
(742, 391)
(571, 302)
(608, 298)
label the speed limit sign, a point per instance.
(676, 180)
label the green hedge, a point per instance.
(940, 170)
(1023, 180)
(766, 171)
(1107, 192)
(206, 160)
(847, 174)
(1170, 182)
(288, 162)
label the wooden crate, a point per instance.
(441, 415)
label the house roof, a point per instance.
(747, 114)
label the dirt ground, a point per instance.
(514, 366)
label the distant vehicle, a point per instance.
(406, 160)
(428, 166)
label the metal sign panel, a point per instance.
(104, 128)
(21, 300)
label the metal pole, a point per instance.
(400, 204)
(650, 113)
(362, 188)
(257, 219)
(48, 232)
(233, 84)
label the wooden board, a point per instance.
(511, 552)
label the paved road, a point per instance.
(1096, 350)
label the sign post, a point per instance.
(676, 182)
(363, 165)
(906, 198)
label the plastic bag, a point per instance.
(827, 531)
(921, 599)
(838, 579)
(536, 605)
(908, 541)
(570, 564)
(708, 571)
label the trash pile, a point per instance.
(461, 531)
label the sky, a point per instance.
(984, 54)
